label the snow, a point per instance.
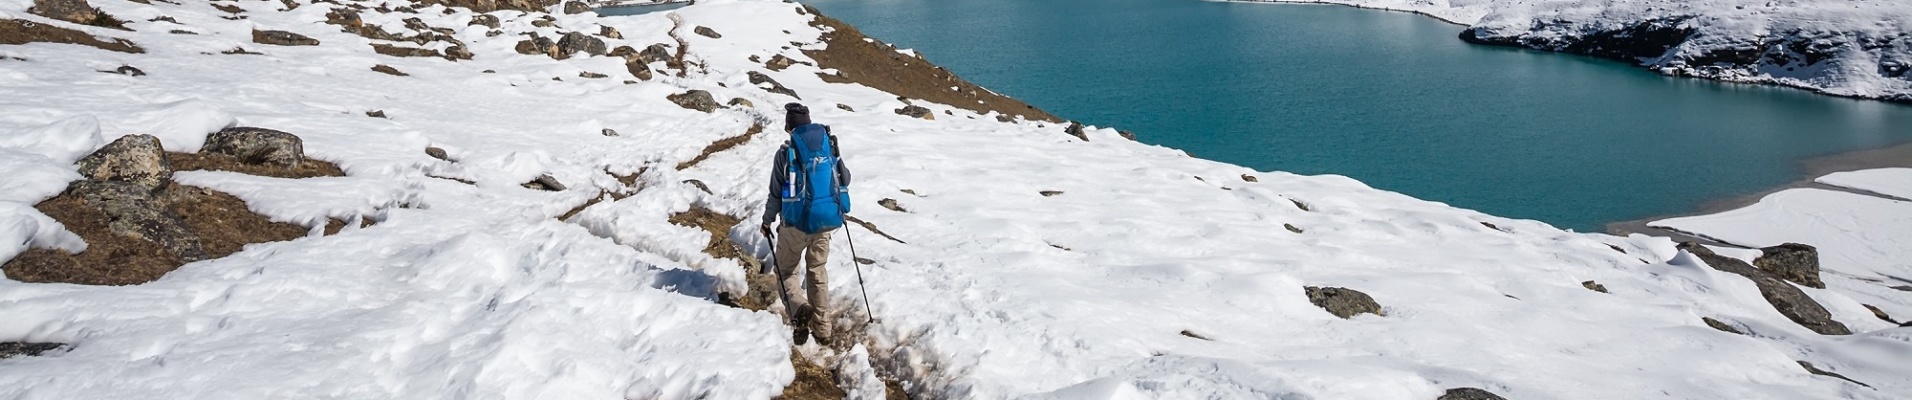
(479, 290)
(1896, 182)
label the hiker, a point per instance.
(809, 190)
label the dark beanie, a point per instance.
(795, 115)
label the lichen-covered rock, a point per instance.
(437, 153)
(915, 111)
(741, 102)
(1786, 298)
(1075, 129)
(258, 146)
(577, 42)
(75, 11)
(137, 159)
(576, 7)
(610, 32)
(282, 38)
(1792, 261)
(707, 32)
(134, 212)
(1342, 302)
(779, 63)
(770, 85)
(696, 100)
(638, 69)
(488, 21)
(655, 53)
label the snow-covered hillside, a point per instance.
(1016, 261)
(1855, 48)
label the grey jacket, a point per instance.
(773, 205)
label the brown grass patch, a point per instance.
(721, 145)
(14, 31)
(309, 168)
(222, 222)
(872, 228)
(878, 65)
(715, 223)
(813, 382)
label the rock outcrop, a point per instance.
(258, 146)
(1343, 302)
(696, 100)
(282, 38)
(578, 42)
(1794, 262)
(16, 349)
(1788, 300)
(771, 85)
(136, 159)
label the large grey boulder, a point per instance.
(578, 42)
(696, 100)
(1342, 302)
(133, 212)
(136, 159)
(1792, 261)
(258, 146)
(1786, 298)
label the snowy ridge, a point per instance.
(1029, 263)
(1851, 48)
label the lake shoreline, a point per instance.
(1897, 155)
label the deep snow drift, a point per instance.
(1855, 48)
(1027, 262)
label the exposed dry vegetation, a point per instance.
(222, 223)
(15, 31)
(721, 145)
(876, 64)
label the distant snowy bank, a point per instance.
(1851, 48)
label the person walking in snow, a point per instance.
(809, 191)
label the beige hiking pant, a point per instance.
(815, 291)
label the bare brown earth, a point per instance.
(721, 145)
(876, 64)
(15, 31)
(309, 168)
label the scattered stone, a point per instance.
(638, 69)
(15, 31)
(845, 107)
(388, 70)
(696, 100)
(779, 63)
(282, 38)
(532, 46)
(591, 75)
(402, 51)
(182, 32)
(1292, 228)
(1787, 299)
(258, 146)
(1594, 286)
(1075, 129)
(698, 184)
(494, 33)
(655, 53)
(127, 70)
(376, 114)
(437, 153)
(1342, 302)
(240, 51)
(576, 7)
(14, 349)
(231, 9)
(1050, 193)
(892, 205)
(1491, 225)
(1876, 312)
(1301, 205)
(707, 32)
(75, 11)
(608, 132)
(1816, 371)
(1468, 393)
(1721, 326)
(488, 21)
(545, 182)
(740, 102)
(625, 52)
(916, 111)
(610, 32)
(1126, 134)
(1792, 261)
(1192, 334)
(458, 52)
(1249, 178)
(544, 23)
(485, 6)
(576, 42)
(137, 159)
(164, 18)
(770, 85)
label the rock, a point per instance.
(75, 11)
(625, 52)
(545, 182)
(591, 75)
(655, 53)
(892, 205)
(576, 7)
(609, 132)
(575, 42)
(137, 159)
(437, 153)
(530, 46)
(1786, 298)
(1249, 178)
(638, 69)
(129, 70)
(1126, 134)
(414, 23)
(486, 20)
(610, 32)
(916, 112)
(1880, 314)
(1721, 326)
(458, 52)
(779, 62)
(544, 23)
(258, 146)
(845, 107)
(1292, 228)
(1816, 371)
(771, 85)
(1342, 302)
(282, 38)
(15, 349)
(707, 32)
(696, 100)
(132, 211)
(1050, 193)
(388, 70)
(1468, 393)
(1594, 286)
(375, 114)
(402, 51)
(1075, 129)
(1792, 261)
(740, 102)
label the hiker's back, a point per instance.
(814, 197)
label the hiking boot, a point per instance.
(800, 324)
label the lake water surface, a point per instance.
(1392, 99)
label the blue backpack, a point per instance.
(813, 200)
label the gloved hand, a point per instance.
(765, 230)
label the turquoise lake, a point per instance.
(1392, 99)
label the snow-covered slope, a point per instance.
(1855, 48)
(1027, 262)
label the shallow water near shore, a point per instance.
(1390, 98)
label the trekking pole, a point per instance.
(776, 273)
(870, 313)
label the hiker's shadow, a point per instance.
(703, 285)
(686, 282)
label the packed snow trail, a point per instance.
(1032, 264)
